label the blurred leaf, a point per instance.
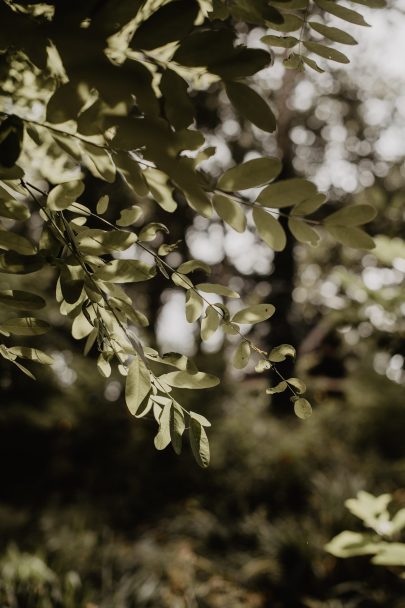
(25, 326)
(16, 242)
(350, 544)
(21, 300)
(34, 354)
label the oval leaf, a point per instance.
(251, 174)
(251, 105)
(269, 229)
(254, 314)
(138, 384)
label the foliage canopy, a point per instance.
(114, 95)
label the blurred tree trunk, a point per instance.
(283, 276)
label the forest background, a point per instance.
(92, 515)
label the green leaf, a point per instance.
(15, 263)
(103, 366)
(390, 554)
(294, 61)
(25, 326)
(351, 236)
(177, 427)
(191, 265)
(309, 205)
(125, 271)
(201, 419)
(21, 300)
(129, 216)
(149, 232)
(230, 212)
(251, 105)
(347, 14)
(333, 33)
(182, 280)
(242, 355)
(132, 173)
(163, 437)
(173, 21)
(194, 305)
(14, 210)
(205, 47)
(101, 164)
(99, 242)
(183, 379)
(279, 353)
(63, 195)
(245, 62)
(269, 229)
(303, 232)
(285, 42)
(220, 290)
(199, 443)
(291, 23)
(24, 370)
(34, 354)
(286, 193)
(102, 204)
(350, 544)
(302, 408)
(64, 104)
(138, 384)
(354, 215)
(298, 384)
(254, 314)
(178, 107)
(325, 51)
(312, 64)
(210, 323)
(16, 242)
(279, 388)
(250, 174)
(262, 365)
